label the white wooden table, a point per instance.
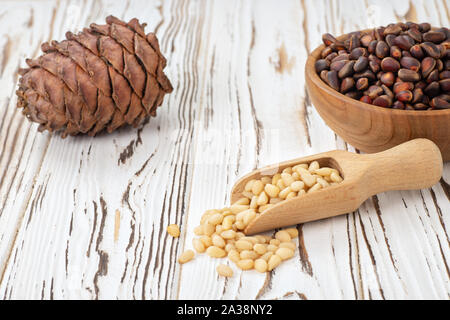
(85, 218)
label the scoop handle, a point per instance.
(415, 164)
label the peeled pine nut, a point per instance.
(206, 240)
(308, 179)
(289, 245)
(228, 234)
(260, 238)
(198, 231)
(254, 202)
(198, 245)
(274, 261)
(313, 166)
(208, 229)
(283, 236)
(323, 182)
(275, 242)
(266, 180)
(323, 171)
(236, 208)
(291, 195)
(257, 187)
(224, 270)
(271, 190)
(283, 193)
(260, 265)
(173, 230)
(221, 230)
(248, 254)
(275, 178)
(293, 232)
(285, 253)
(260, 248)
(280, 184)
(247, 194)
(265, 207)
(297, 186)
(216, 252)
(229, 247)
(262, 199)
(245, 264)
(243, 245)
(249, 185)
(287, 170)
(227, 222)
(335, 177)
(234, 256)
(275, 200)
(315, 187)
(301, 165)
(266, 256)
(243, 201)
(186, 256)
(218, 241)
(287, 179)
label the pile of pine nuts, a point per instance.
(220, 233)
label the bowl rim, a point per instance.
(314, 77)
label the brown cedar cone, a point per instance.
(101, 78)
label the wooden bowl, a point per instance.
(371, 128)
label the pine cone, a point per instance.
(101, 78)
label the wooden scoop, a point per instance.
(415, 164)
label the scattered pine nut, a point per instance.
(224, 270)
(173, 230)
(245, 264)
(274, 261)
(216, 252)
(220, 233)
(186, 256)
(261, 265)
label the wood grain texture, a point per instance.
(85, 218)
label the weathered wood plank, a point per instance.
(86, 217)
